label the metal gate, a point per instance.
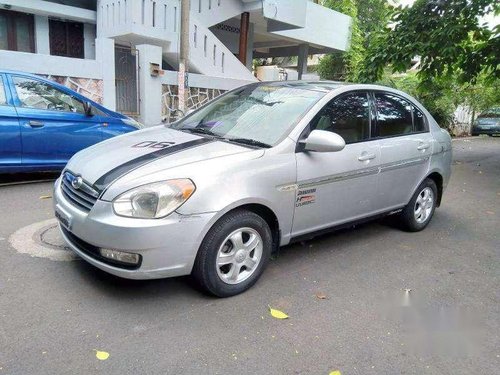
(126, 82)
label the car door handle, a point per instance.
(365, 157)
(423, 146)
(36, 124)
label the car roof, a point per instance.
(328, 86)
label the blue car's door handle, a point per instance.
(36, 124)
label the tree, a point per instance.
(446, 35)
(368, 17)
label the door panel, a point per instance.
(10, 134)
(403, 165)
(405, 152)
(335, 187)
(53, 124)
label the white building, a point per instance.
(107, 49)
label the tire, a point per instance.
(238, 240)
(414, 220)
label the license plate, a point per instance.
(64, 219)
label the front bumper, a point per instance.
(168, 246)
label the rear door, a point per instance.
(406, 145)
(337, 187)
(10, 133)
(53, 123)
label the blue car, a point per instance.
(43, 124)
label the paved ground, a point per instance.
(53, 314)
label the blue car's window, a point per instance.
(3, 99)
(40, 95)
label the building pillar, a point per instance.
(42, 41)
(105, 56)
(249, 56)
(89, 31)
(302, 60)
(150, 87)
(242, 54)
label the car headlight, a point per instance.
(132, 122)
(155, 200)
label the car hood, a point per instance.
(152, 149)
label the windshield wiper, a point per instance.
(201, 131)
(250, 142)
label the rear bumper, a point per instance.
(167, 247)
(483, 130)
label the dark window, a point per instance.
(419, 123)
(40, 95)
(66, 39)
(394, 115)
(348, 116)
(3, 99)
(17, 31)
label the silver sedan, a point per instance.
(215, 193)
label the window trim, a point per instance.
(413, 106)
(307, 129)
(20, 103)
(4, 89)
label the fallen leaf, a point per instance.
(101, 355)
(277, 313)
(336, 372)
(320, 295)
(45, 196)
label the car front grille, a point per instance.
(78, 192)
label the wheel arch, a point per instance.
(438, 180)
(260, 208)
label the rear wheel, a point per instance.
(233, 254)
(418, 213)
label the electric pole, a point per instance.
(183, 86)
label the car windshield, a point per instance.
(257, 114)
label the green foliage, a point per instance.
(447, 37)
(368, 17)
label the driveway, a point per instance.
(391, 302)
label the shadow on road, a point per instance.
(26, 178)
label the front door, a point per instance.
(53, 123)
(337, 187)
(10, 134)
(406, 145)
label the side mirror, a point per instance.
(87, 108)
(323, 141)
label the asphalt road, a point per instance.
(54, 314)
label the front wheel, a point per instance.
(233, 254)
(418, 213)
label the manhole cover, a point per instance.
(42, 240)
(51, 237)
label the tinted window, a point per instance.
(40, 95)
(348, 116)
(3, 100)
(394, 115)
(419, 121)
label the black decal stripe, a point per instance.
(130, 165)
